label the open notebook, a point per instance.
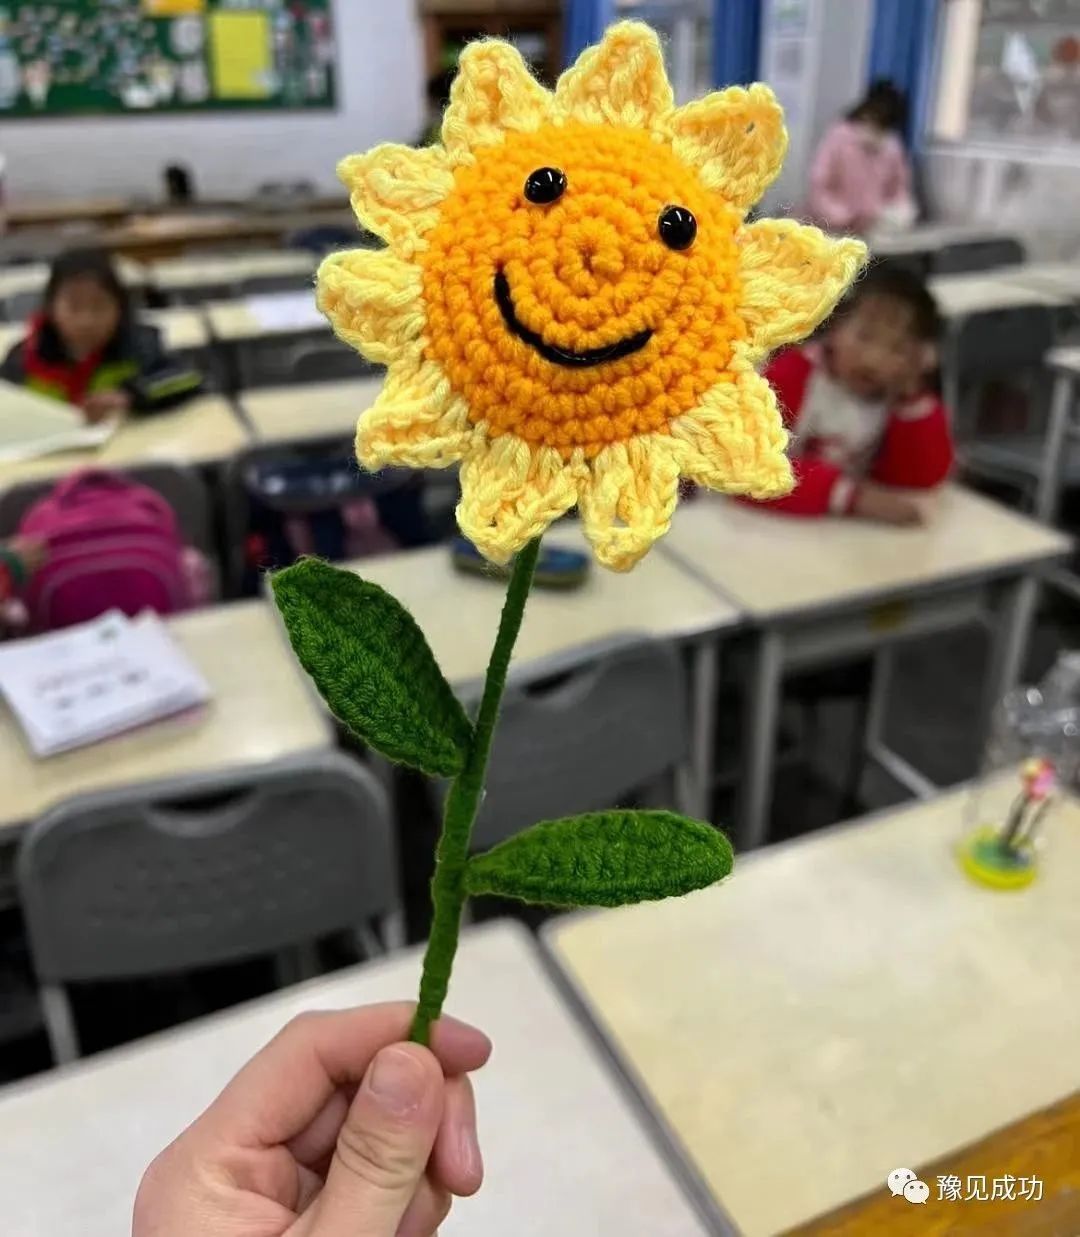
(32, 425)
(86, 683)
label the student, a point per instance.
(86, 348)
(860, 178)
(861, 404)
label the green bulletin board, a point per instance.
(138, 57)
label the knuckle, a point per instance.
(374, 1155)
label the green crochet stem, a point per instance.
(448, 886)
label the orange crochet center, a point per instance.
(586, 271)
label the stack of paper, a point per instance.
(31, 426)
(86, 683)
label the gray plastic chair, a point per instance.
(268, 361)
(977, 255)
(147, 879)
(581, 731)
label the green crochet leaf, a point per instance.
(603, 859)
(372, 666)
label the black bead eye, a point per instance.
(677, 227)
(545, 185)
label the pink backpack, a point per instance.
(112, 545)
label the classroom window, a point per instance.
(1008, 71)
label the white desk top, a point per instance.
(563, 1151)
(233, 321)
(310, 410)
(183, 330)
(263, 710)
(182, 274)
(774, 565)
(1060, 278)
(200, 432)
(460, 613)
(1064, 358)
(959, 296)
(842, 1006)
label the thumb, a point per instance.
(384, 1145)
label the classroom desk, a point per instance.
(263, 710)
(223, 274)
(821, 589)
(183, 330)
(563, 1149)
(459, 614)
(308, 412)
(961, 297)
(66, 210)
(202, 432)
(166, 235)
(1058, 278)
(846, 1004)
(925, 239)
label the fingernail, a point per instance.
(398, 1081)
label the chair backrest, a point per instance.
(580, 731)
(977, 255)
(181, 487)
(159, 878)
(318, 358)
(1002, 341)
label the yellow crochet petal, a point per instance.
(510, 493)
(374, 302)
(416, 422)
(620, 81)
(734, 440)
(493, 92)
(396, 191)
(735, 138)
(792, 276)
(629, 497)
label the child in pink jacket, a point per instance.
(860, 178)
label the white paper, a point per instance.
(286, 311)
(32, 425)
(83, 684)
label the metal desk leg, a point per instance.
(704, 661)
(762, 716)
(900, 770)
(1055, 448)
(1015, 616)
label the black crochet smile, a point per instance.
(563, 356)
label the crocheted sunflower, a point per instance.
(571, 304)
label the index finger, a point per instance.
(286, 1084)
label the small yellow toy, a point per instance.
(572, 304)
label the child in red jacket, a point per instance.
(865, 420)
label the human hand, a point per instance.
(335, 1129)
(32, 551)
(101, 404)
(885, 506)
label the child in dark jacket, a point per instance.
(86, 348)
(865, 419)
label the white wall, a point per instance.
(380, 98)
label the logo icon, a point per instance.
(898, 1178)
(903, 1182)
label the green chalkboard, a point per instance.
(145, 57)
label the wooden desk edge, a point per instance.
(1045, 1144)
